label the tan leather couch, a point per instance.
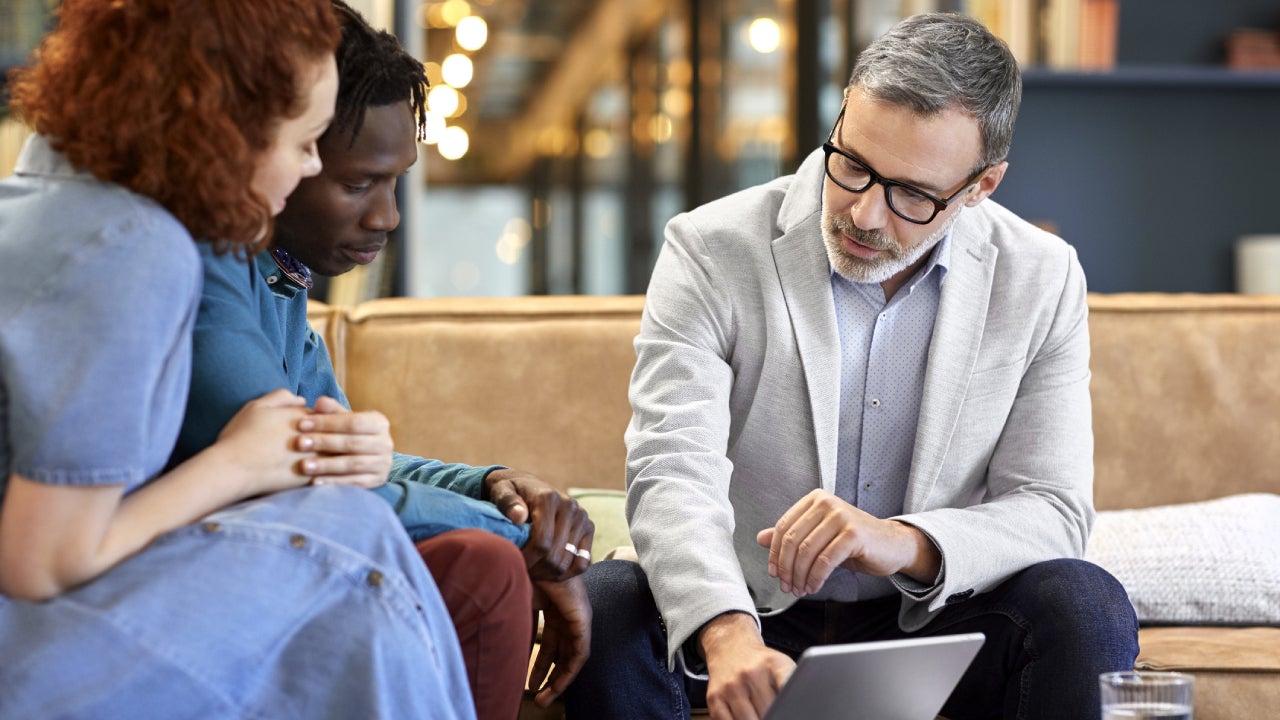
(1186, 393)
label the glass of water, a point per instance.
(1146, 695)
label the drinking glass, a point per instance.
(1146, 695)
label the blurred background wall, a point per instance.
(565, 133)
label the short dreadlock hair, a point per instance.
(374, 70)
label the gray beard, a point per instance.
(894, 258)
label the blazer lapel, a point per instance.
(804, 274)
(953, 351)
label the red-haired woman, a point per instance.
(226, 586)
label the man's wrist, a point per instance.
(925, 559)
(723, 628)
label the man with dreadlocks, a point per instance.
(469, 523)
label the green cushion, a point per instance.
(608, 510)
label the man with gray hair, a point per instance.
(861, 412)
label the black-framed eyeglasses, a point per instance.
(906, 201)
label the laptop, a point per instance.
(906, 679)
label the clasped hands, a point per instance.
(355, 448)
(282, 444)
(331, 444)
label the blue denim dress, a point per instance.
(310, 603)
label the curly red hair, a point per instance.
(176, 99)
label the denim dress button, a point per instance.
(298, 541)
(374, 578)
(212, 526)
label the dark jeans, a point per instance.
(1051, 629)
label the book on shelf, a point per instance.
(1013, 21)
(1253, 49)
(1058, 34)
(1099, 29)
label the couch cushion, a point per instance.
(1185, 394)
(535, 383)
(1214, 562)
(608, 510)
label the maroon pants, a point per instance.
(485, 585)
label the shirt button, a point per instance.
(298, 541)
(374, 578)
(875, 402)
(867, 486)
(212, 526)
(273, 279)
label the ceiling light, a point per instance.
(454, 11)
(454, 143)
(472, 33)
(442, 100)
(457, 70)
(764, 35)
(435, 127)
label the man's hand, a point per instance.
(822, 532)
(353, 448)
(566, 636)
(744, 675)
(557, 522)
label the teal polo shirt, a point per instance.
(252, 337)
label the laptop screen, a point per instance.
(907, 679)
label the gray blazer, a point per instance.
(736, 390)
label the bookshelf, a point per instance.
(1153, 169)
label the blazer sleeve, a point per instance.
(678, 507)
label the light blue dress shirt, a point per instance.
(884, 347)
